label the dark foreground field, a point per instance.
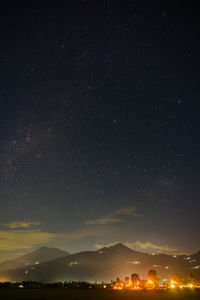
(96, 294)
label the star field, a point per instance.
(99, 123)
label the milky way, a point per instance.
(99, 125)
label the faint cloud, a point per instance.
(129, 211)
(103, 221)
(141, 246)
(18, 239)
(149, 247)
(115, 217)
(20, 225)
(23, 239)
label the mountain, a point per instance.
(104, 265)
(36, 257)
(196, 256)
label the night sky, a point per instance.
(100, 126)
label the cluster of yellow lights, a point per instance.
(174, 284)
(128, 285)
(150, 284)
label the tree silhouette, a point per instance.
(152, 277)
(135, 279)
(126, 280)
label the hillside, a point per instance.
(104, 265)
(36, 257)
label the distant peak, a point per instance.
(117, 246)
(42, 249)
